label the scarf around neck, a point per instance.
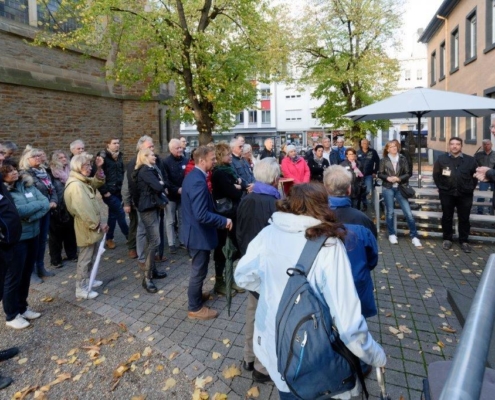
(264, 188)
(227, 168)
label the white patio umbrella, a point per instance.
(421, 102)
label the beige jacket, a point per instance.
(82, 204)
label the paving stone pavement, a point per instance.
(411, 290)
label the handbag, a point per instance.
(407, 191)
(224, 206)
(161, 200)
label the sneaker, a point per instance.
(8, 353)
(84, 293)
(30, 314)
(416, 242)
(56, 265)
(393, 239)
(466, 248)
(173, 249)
(204, 313)
(97, 283)
(110, 244)
(447, 244)
(18, 322)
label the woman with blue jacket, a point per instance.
(32, 206)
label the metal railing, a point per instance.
(465, 378)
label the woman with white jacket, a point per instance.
(304, 214)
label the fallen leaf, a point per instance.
(120, 261)
(105, 291)
(148, 371)
(393, 330)
(226, 341)
(231, 372)
(72, 352)
(200, 382)
(400, 336)
(169, 384)
(94, 330)
(441, 344)
(436, 348)
(219, 396)
(59, 322)
(99, 360)
(159, 367)
(176, 371)
(216, 355)
(147, 352)
(120, 371)
(384, 271)
(150, 338)
(22, 361)
(466, 271)
(47, 299)
(77, 377)
(134, 357)
(123, 326)
(448, 329)
(147, 328)
(130, 339)
(199, 395)
(67, 327)
(173, 355)
(404, 329)
(414, 276)
(389, 314)
(140, 397)
(253, 392)
(124, 278)
(448, 340)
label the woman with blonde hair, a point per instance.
(31, 163)
(150, 198)
(80, 199)
(394, 171)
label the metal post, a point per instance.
(419, 150)
(468, 368)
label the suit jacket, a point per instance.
(199, 221)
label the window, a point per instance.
(408, 75)
(419, 75)
(490, 25)
(454, 126)
(442, 61)
(433, 67)
(265, 94)
(313, 115)
(253, 116)
(471, 36)
(16, 10)
(293, 115)
(442, 128)
(292, 96)
(454, 50)
(239, 118)
(433, 129)
(265, 117)
(471, 129)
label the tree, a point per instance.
(342, 49)
(213, 51)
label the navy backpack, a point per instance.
(312, 359)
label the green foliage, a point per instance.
(343, 48)
(211, 50)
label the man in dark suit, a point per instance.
(199, 229)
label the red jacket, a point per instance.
(299, 170)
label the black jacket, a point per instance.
(266, 153)
(114, 174)
(148, 187)
(174, 169)
(370, 162)
(356, 183)
(59, 215)
(252, 216)
(316, 170)
(387, 169)
(349, 215)
(222, 184)
(132, 184)
(460, 181)
(10, 221)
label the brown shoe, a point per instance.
(142, 266)
(132, 254)
(110, 244)
(158, 259)
(203, 314)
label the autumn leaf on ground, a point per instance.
(226, 341)
(24, 392)
(176, 371)
(120, 371)
(72, 352)
(400, 336)
(253, 392)
(219, 396)
(169, 384)
(440, 343)
(393, 330)
(200, 382)
(231, 372)
(22, 361)
(140, 397)
(173, 355)
(448, 329)
(465, 271)
(134, 357)
(39, 395)
(59, 322)
(216, 355)
(384, 271)
(199, 395)
(147, 351)
(414, 276)
(47, 299)
(404, 329)
(436, 348)
(99, 360)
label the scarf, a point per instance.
(264, 188)
(295, 158)
(395, 161)
(319, 161)
(42, 175)
(227, 168)
(115, 155)
(356, 170)
(60, 172)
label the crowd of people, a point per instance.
(219, 193)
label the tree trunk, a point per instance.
(204, 124)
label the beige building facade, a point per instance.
(461, 58)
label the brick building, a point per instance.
(461, 42)
(50, 97)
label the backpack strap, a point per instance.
(309, 253)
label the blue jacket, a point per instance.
(243, 170)
(335, 156)
(362, 250)
(31, 204)
(199, 221)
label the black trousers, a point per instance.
(463, 204)
(62, 236)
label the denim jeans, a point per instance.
(172, 210)
(115, 214)
(151, 222)
(388, 197)
(18, 278)
(484, 186)
(368, 181)
(42, 239)
(463, 205)
(199, 270)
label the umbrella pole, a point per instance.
(419, 150)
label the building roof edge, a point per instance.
(436, 23)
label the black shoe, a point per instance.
(5, 381)
(173, 249)
(56, 265)
(159, 274)
(43, 273)
(248, 366)
(447, 244)
(183, 246)
(466, 248)
(261, 378)
(149, 286)
(8, 353)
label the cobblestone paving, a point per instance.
(411, 291)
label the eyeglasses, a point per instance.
(87, 165)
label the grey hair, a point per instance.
(143, 139)
(172, 141)
(233, 143)
(26, 155)
(340, 139)
(247, 148)
(11, 146)
(79, 160)
(486, 141)
(73, 145)
(337, 180)
(267, 170)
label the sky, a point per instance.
(418, 14)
